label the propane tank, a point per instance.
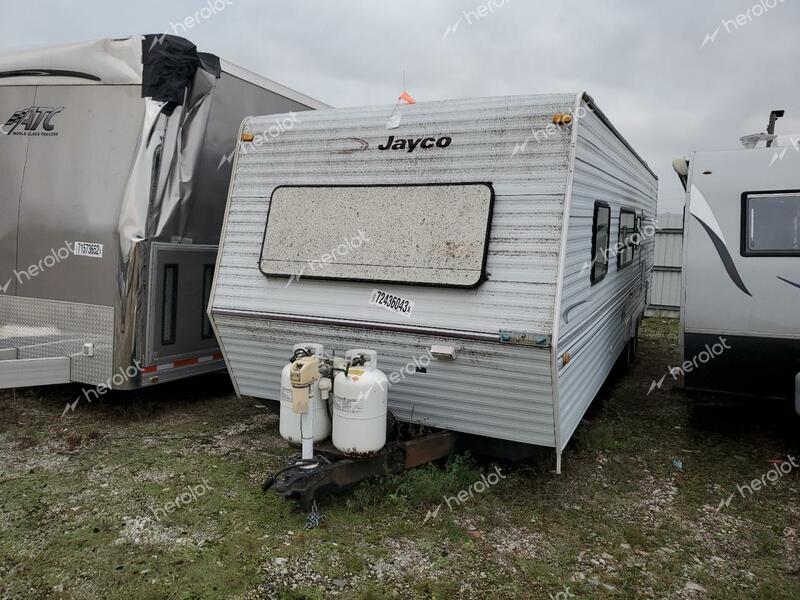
(290, 424)
(360, 405)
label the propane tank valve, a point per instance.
(304, 374)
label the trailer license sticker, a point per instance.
(392, 303)
(88, 249)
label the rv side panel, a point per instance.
(598, 318)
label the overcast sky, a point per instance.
(642, 61)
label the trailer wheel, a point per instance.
(627, 357)
(633, 346)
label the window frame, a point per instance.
(169, 338)
(623, 245)
(745, 222)
(483, 274)
(598, 205)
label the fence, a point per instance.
(664, 297)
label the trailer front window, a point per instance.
(771, 224)
(435, 234)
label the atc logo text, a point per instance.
(29, 120)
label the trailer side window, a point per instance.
(208, 278)
(626, 244)
(771, 224)
(169, 305)
(600, 239)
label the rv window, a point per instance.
(408, 234)
(600, 239)
(208, 278)
(169, 304)
(626, 244)
(771, 224)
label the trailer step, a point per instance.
(34, 371)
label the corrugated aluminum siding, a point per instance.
(665, 290)
(528, 210)
(522, 258)
(490, 389)
(599, 316)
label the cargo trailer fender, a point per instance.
(562, 259)
(220, 252)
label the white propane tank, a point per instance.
(290, 421)
(360, 406)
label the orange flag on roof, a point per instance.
(406, 97)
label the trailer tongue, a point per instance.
(356, 417)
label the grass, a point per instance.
(621, 522)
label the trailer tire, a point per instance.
(627, 357)
(633, 346)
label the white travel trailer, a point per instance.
(471, 243)
(115, 158)
(740, 320)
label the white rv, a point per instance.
(740, 319)
(115, 157)
(490, 250)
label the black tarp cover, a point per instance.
(170, 63)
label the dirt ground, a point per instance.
(648, 506)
